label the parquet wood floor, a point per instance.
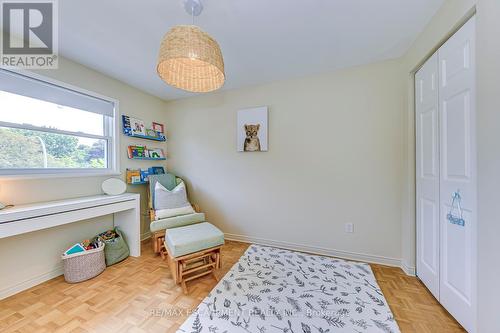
(139, 296)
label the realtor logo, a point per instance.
(29, 38)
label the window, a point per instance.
(47, 127)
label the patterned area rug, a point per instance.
(274, 290)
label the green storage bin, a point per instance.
(116, 249)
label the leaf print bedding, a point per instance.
(274, 290)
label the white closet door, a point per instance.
(458, 172)
(427, 172)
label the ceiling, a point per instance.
(261, 40)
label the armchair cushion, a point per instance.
(177, 221)
(192, 238)
(168, 180)
(166, 213)
(170, 199)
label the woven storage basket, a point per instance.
(82, 266)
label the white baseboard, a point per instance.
(14, 289)
(374, 259)
(145, 235)
(409, 270)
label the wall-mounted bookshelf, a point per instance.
(148, 158)
(136, 128)
(138, 183)
(139, 152)
(141, 176)
(160, 138)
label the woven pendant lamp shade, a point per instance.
(191, 60)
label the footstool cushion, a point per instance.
(176, 221)
(192, 238)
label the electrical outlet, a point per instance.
(349, 227)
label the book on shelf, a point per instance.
(152, 133)
(137, 126)
(141, 176)
(127, 129)
(144, 175)
(137, 152)
(156, 153)
(133, 176)
(156, 170)
(159, 128)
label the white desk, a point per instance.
(27, 218)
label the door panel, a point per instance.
(429, 228)
(427, 174)
(456, 133)
(428, 134)
(458, 172)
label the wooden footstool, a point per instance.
(193, 251)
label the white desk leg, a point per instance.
(129, 222)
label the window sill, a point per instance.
(75, 174)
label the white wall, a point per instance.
(488, 140)
(28, 258)
(335, 152)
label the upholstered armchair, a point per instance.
(181, 234)
(158, 226)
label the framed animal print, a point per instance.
(252, 130)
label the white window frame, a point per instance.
(111, 134)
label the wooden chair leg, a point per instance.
(153, 244)
(183, 281)
(187, 268)
(184, 287)
(162, 253)
(158, 238)
(172, 264)
(159, 243)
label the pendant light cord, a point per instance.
(189, 36)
